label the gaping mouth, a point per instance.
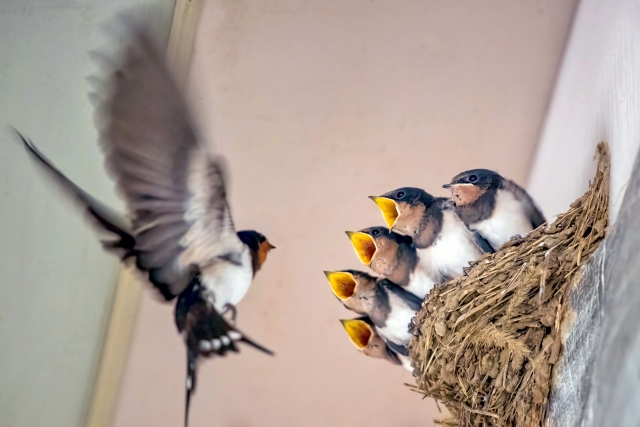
(342, 284)
(359, 332)
(389, 209)
(364, 245)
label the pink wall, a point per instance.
(316, 105)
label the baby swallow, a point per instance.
(390, 307)
(365, 338)
(392, 256)
(443, 242)
(178, 227)
(494, 206)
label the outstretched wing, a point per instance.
(174, 193)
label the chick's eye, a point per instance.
(473, 178)
(375, 232)
(400, 194)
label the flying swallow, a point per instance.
(494, 206)
(392, 256)
(365, 338)
(390, 307)
(178, 226)
(443, 242)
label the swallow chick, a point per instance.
(178, 228)
(443, 242)
(494, 206)
(392, 256)
(390, 307)
(365, 338)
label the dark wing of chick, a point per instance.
(532, 210)
(174, 193)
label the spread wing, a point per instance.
(531, 209)
(174, 193)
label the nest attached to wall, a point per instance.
(485, 343)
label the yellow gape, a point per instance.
(359, 331)
(389, 210)
(364, 246)
(342, 284)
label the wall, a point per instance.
(597, 98)
(56, 282)
(316, 105)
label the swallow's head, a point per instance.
(365, 338)
(403, 208)
(467, 187)
(352, 288)
(258, 244)
(380, 249)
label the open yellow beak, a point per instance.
(364, 245)
(342, 284)
(360, 333)
(389, 209)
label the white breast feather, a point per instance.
(396, 327)
(452, 251)
(509, 218)
(228, 282)
(420, 281)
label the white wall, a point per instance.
(597, 98)
(56, 283)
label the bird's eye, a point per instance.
(473, 178)
(375, 232)
(400, 194)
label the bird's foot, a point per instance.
(230, 308)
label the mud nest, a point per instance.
(485, 344)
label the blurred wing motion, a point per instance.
(179, 228)
(174, 193)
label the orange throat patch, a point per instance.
(263, 250)
(466, 194)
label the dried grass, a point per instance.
(485, 344)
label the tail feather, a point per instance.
(190, 383)
(207, 333)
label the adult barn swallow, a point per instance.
(392, 256)
(496, 207)
(179, 228)
(390, 307)
(443, 242)
(365, 338)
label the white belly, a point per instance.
(508, 219)
(396, 328)
(420, 282)
(451, 252)
(228, 282)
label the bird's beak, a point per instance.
(360, 333)
(447, 186)
(342, 284)
(364, 245)
(389, 209)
